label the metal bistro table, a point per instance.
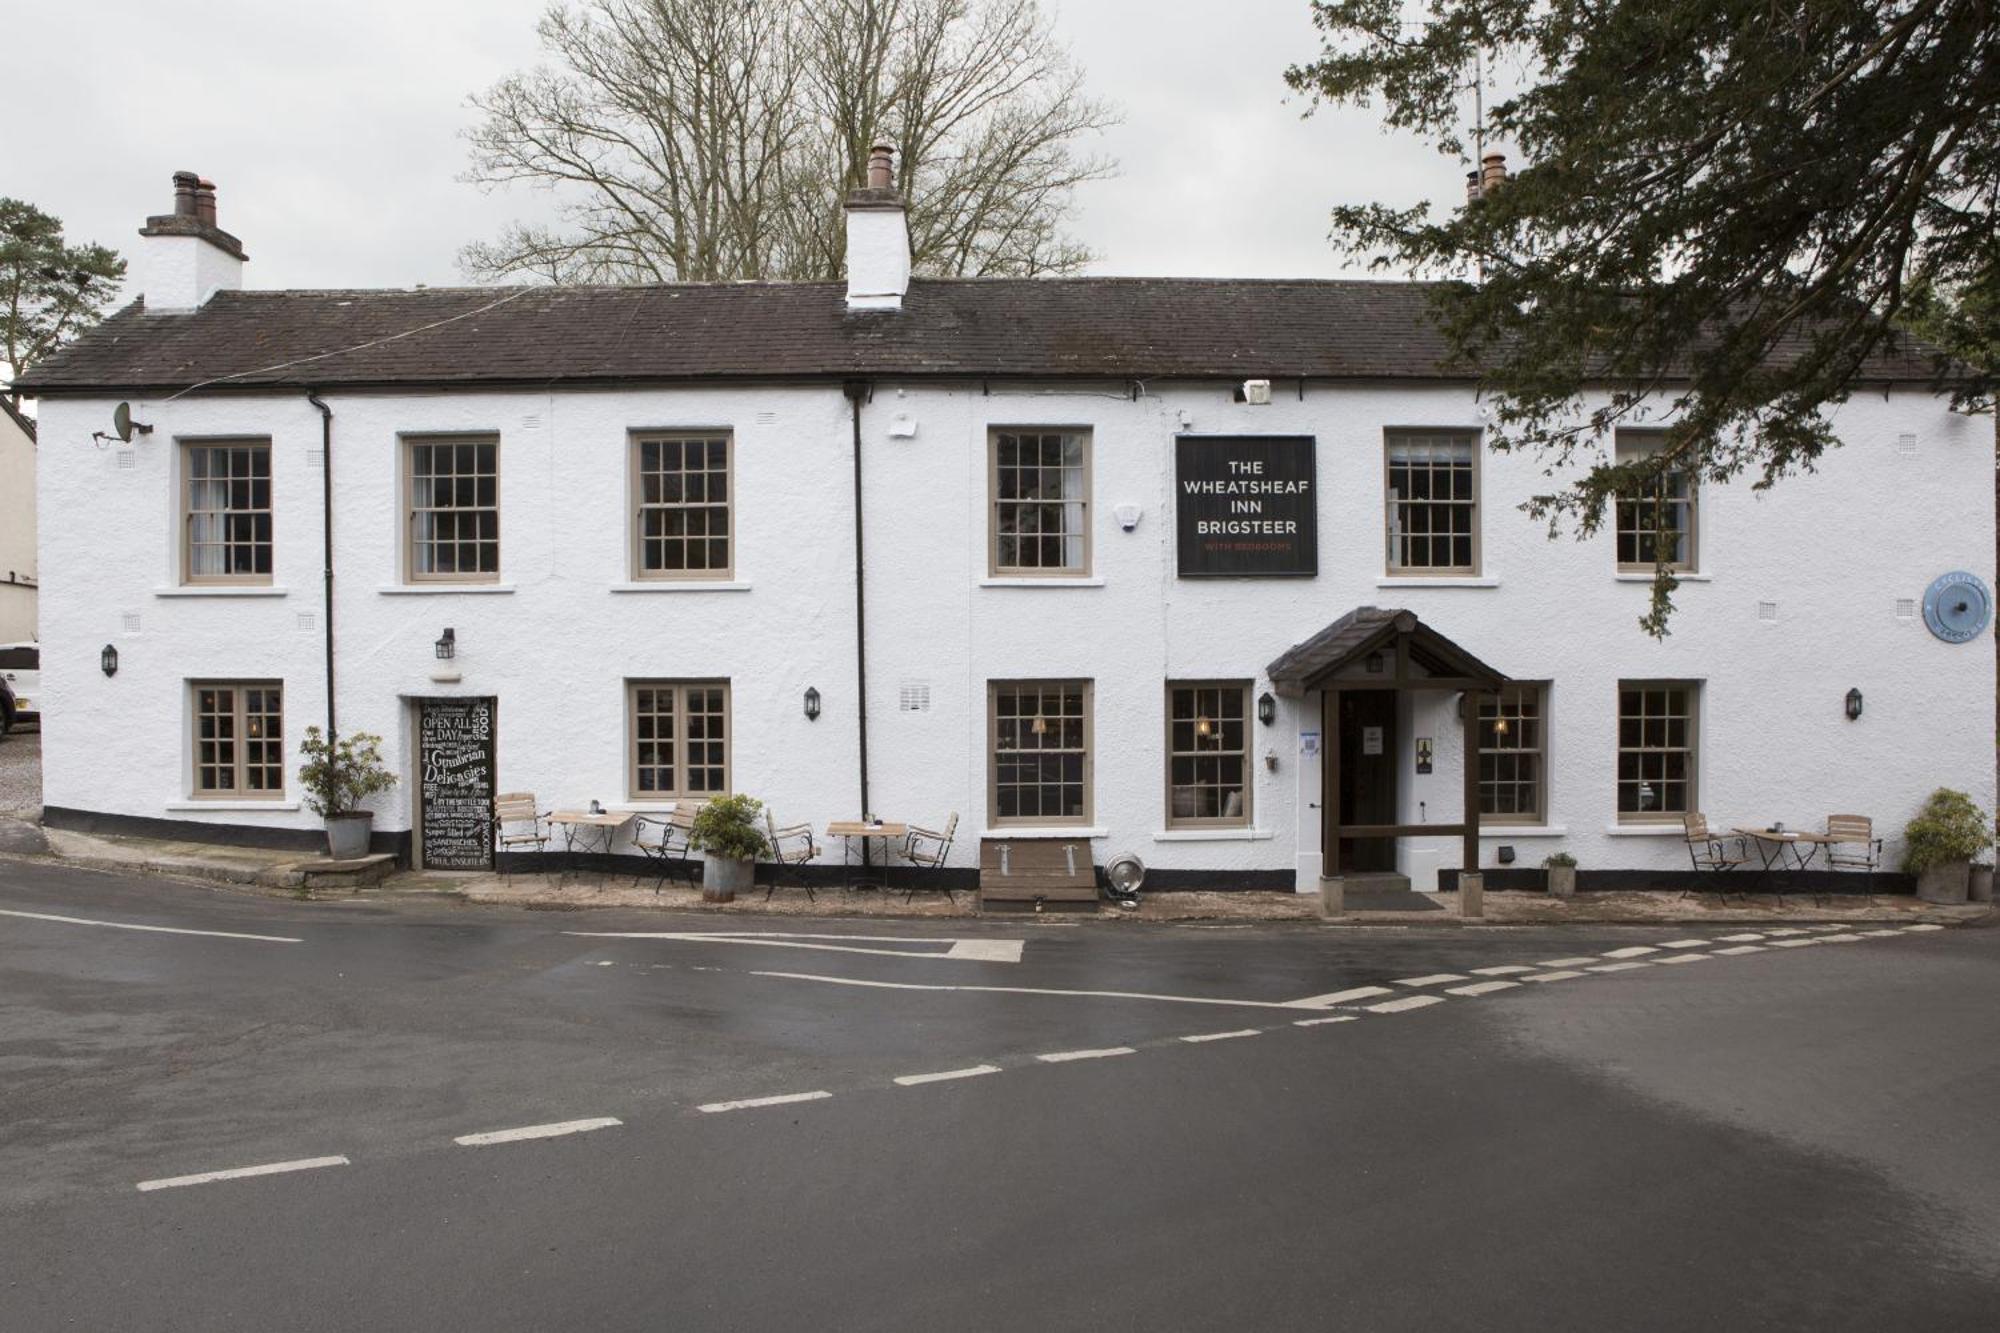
(849, 831)
(1774, 843)
(588, 831)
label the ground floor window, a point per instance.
(1512, 753)
(679, 738)
(1208, 754)
(1656, 749)
(1038, 747)
(239, 739)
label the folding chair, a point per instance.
(667, 849)
(518, 825)
(1852, 845)
(791, 848)
(1708, 853)
(926, 848)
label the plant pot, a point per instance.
(1944, 885)
(722, 876)
(1562, 881)
(1979, 885)
(347, 835)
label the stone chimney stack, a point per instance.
(186, 257)
(1492, 172)
(878, 238)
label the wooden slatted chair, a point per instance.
(928, 849)
(664, 843)
(519, 825)
(1852, 845)
(791, 848)
(1710, 854)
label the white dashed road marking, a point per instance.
(1744, 938)
(1682, 958)
(1407, 1002)
(1618, 967)
(1341, 997)
(1315, 1022)
(156, 930)
(1792, 943)
(1879, 934)
(1563, 975)
(1484, 987)
(912, 1080)
(1685, 944)
(1841, 939)
(978, 951)
(1221, 1036)
(752, 1103)
(1436, 979)
(1631, 951)
(1565, 962)
(1041, 990)
(1063, 1057)
(1741, 949)
(554, 1131)
(1926, 926)
(1508, 970)
(1776, 932)
(241, 1172)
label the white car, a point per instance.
(21, 668)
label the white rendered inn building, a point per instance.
(1212, 573)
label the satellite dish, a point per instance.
(123, 426)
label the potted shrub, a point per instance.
(1561, 868)
(727, 835)
(1939, 844)
(337, 777)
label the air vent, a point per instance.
(532, 421)
(1906, 443)
(767, 418)
(914, 696)
(131, 622)
(315, 458)
(127, 459)
(1906, 608)
(307, 622)
(1767, 610)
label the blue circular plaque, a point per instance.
(1957, 606)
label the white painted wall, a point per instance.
(556, 640)
(17, 533)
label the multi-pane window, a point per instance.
(1041, 503)
(1433, 505)
(1039, 746)
(680, 738)
(1512, 755)
(1208, 754)
(683, 520)
(1658, 524)
(227, 512)
(1656, 749)
(454, 509)
(239, 739)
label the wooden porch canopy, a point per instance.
(1381, 648)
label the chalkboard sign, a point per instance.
(455, 783)
(1245, 506)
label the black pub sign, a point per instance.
(1244, 506)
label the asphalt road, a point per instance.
(1790, 1136)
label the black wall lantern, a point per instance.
(1267, 708)
(812, 704)
(447, 645)
(1853, 705)
(108, 659)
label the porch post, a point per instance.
(1471, 883)
(1329, 796)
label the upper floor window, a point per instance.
(1208, 754)
(1657, 740)
(226, 511)
(452, 488)
(1513, 750)
(683, 522)
(239, 739)
(679, 738)
(1659, 523)
(1039, 755)
(1433, 504)
(1040, 487)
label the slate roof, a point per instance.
(1119, 328)
(15, 415)
(1365, 628)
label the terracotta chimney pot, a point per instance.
(882, 166)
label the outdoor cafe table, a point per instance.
(1772, 844)
(587, 831)
(851, 830)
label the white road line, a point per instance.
(1221, 1036)
(1565, 962)
(1511, 969)
(751, 1103)
(157, 930)
(912, 1080)
(1435, 979)
(1924, 926)
(1315, 1022)
(1849, 938)
(1744, 938)
(1682, 958)
(1618, 967)
(1741, 949)
(1553, 976)
(981, 951)
(1631, 951)
(1407, 1002)
(1341, 997)
(1061, 1057)
(1776, 932)
(554, 1131)
(1039, 990)
(1685, 944)
(1882, 934)
(1484, 987)
(1793, 944)
(239, 1173)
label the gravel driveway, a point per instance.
(21, 774)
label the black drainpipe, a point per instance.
(326, 529)
(858, 392)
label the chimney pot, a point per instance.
(204, 201)
(184, 184)
(882, 166)
(1492, 172)
(1471, 187)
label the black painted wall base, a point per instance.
(1839, 882)
(222, 835)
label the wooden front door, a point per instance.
(1367, 776)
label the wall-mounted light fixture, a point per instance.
(108, 659)
(812, 704)
(1267, 708)
(447, 644)
(1853, 705)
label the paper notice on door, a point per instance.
(1309, 742)
(1371, 740)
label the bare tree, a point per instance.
(713, 139)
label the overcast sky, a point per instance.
(333, 131)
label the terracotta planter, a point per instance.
(1562, 881)
(1944, 885)
(347, 835)
(1979, 885)
(722, 876)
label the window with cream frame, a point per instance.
(238, 739)
(451, 503)
(677, 739)
(1038, 511)
(1658, 750)
(226, 511)
(1038, 748)
(1666, 520)
(1433, 501)
(1513, 754)
(1208, 754)
(684, 508)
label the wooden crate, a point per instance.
(1021, 872)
